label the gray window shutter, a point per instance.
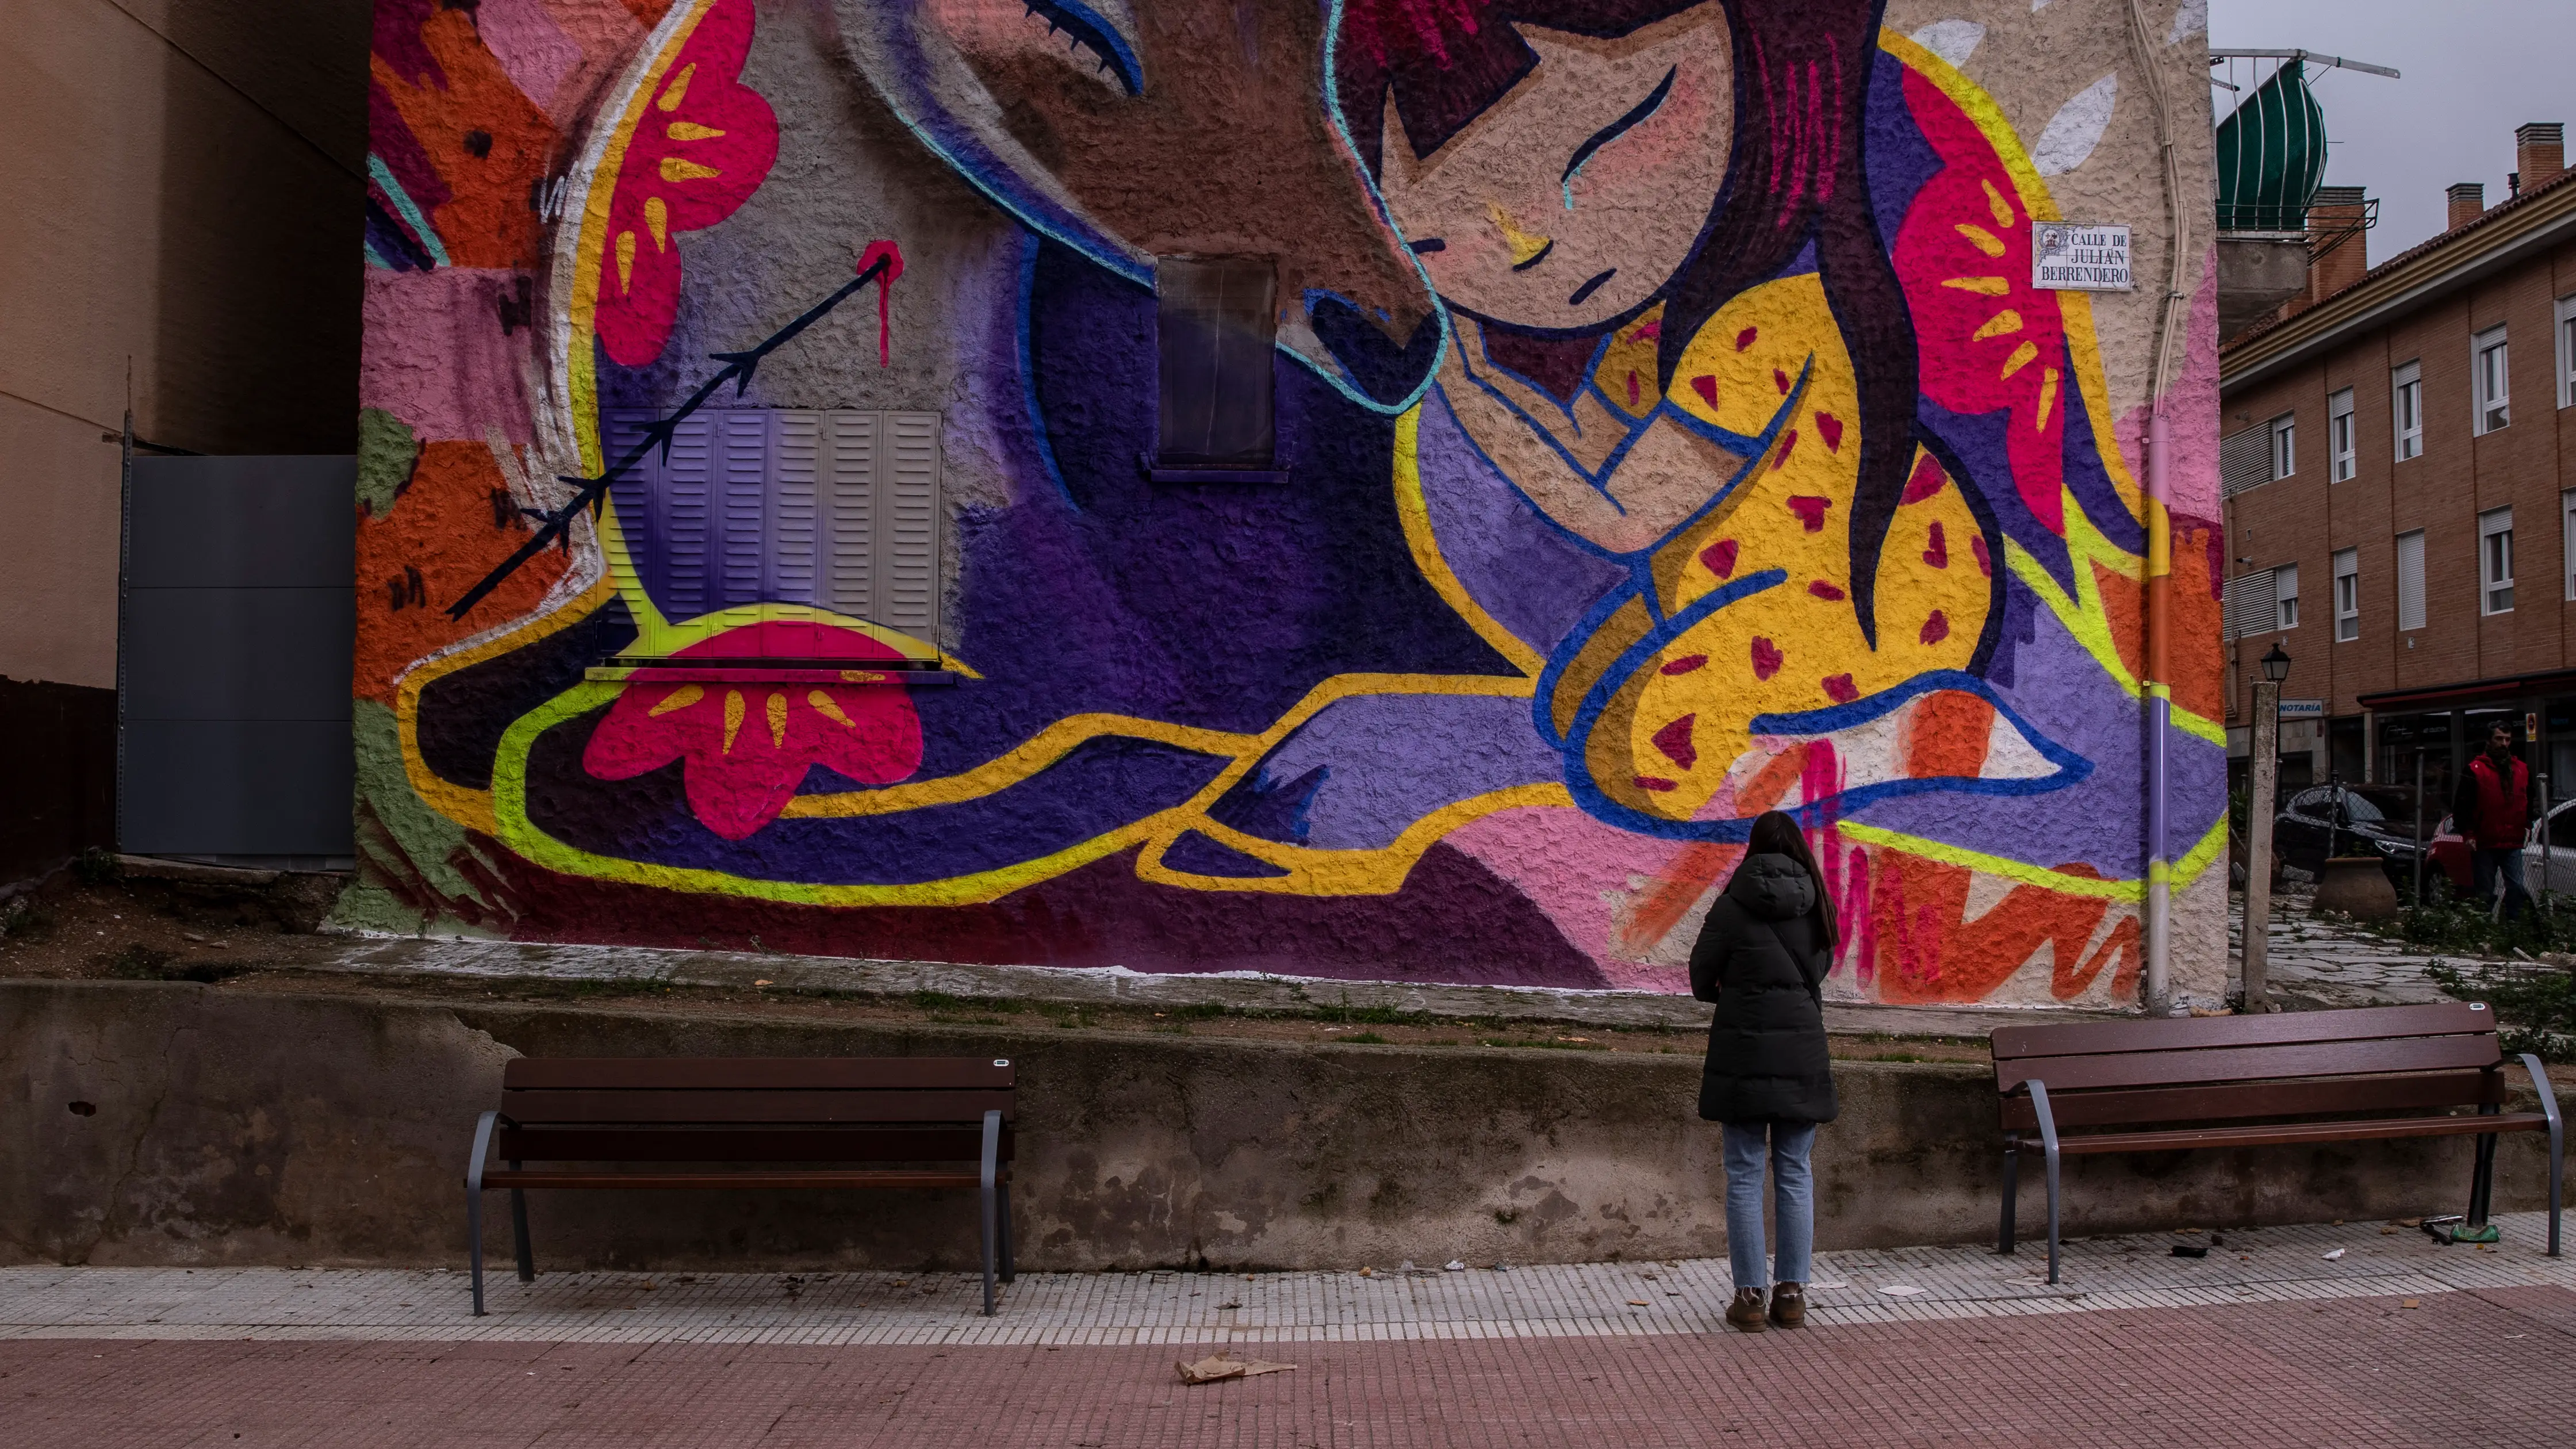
(2410, 580)
(2246, 607)
(850, 462)
(2245, 460)
(795, 455)
(907, 582)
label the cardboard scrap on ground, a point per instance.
(1221, 1366)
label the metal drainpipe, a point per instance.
(2157, 908)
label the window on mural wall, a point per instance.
(2406, 405)
(834, 508)
(1215, 320)
(2492, 380)
(2495, 560)
(2347, 594)
(2339, 439)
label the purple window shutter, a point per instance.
(795, 455)
(683, 482)
(636, 497)
(742, 483)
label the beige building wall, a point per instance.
(180, 210)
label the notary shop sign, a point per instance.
(2065, 257)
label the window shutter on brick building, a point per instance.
(2245, 460)
(2410, 580)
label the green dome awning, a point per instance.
(2271, 155)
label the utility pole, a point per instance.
(2266, 764)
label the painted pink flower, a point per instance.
(702, 144)
(747, 744)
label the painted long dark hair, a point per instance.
(1776, 832)
(1802, 72)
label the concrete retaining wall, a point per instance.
(180, 1124)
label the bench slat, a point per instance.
(506, 1178)
(757, 1073)
(756, 1144)
(2238, 1064)
(2293, 1133)
(674, 1106)
(2119, 1106)
(2268, 1029)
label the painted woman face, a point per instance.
(1573, 199)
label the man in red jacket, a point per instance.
(2493, 809)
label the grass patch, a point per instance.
(2535, 1007)
(26, 920)
(2444, 924)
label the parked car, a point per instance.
(2327, 820)
(2548, 856)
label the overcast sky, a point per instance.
(2474, 70)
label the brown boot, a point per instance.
(1789, 1305)
(1746, 1311)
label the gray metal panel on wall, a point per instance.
(907, 528)
(236, 632)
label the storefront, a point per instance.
(2437, 730)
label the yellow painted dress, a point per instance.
(1699, 698)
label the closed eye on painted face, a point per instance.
(1574, 198)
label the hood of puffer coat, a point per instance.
(1773, 887)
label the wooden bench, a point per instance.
(756, 1122)
(2289, 1079)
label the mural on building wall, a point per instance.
(1670, 433)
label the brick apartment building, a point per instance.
(2399, 454)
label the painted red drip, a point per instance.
(1766, 658)
(1720, 558)
(1840, 689)
(1810, 511)
(1927, 480)
(1675, 741)
(1830, 428)
(1936, 628)
(1655, 782)
(1938, 555)
(1985, 560)
(1823, 590)
(1782, 457)
(1780, 380)
(885, 294)
(1706, 387)
(1744, 339)
(1686, 664)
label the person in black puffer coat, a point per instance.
(1762, 956)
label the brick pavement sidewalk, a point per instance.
(2483, 1367)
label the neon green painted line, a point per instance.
(2182, 871)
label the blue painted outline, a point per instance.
(1030, 242)
(1088, 28)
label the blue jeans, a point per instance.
(1793, 1199)
(2483, 866)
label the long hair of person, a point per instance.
(1776, 832)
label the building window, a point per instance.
(2285, 595)
(2567, 352)
(2285, 446)
(2567, 537)
(2491, 380)
(2406, 402)
(2347, 594)
(2495, 561)
(1214, 320)
(2339, 436)
(2410, 580)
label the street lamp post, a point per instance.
(2266, 765)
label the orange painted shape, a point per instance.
(1947, 734)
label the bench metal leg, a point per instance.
(519, 1232)
(2557, 1141)
(2012, 1188)
(2048, 1141)
(988, 1195)
(2482, 1177)
(1009, 1269)
(474, 1205)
